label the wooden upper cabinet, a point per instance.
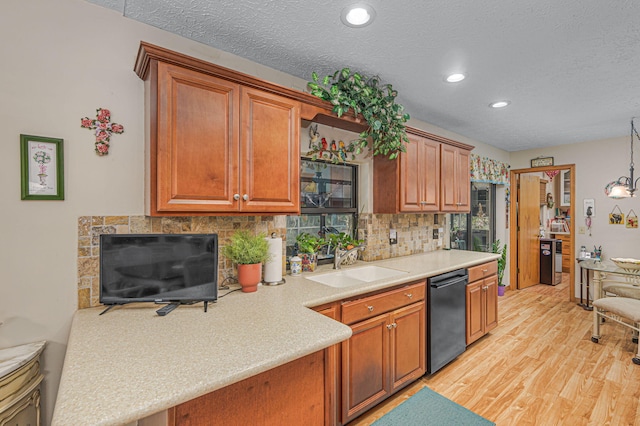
(216, 145)
(270, 151)
(420, 176)
(196, 148)
(455, 182)
(410, 183)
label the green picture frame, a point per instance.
(41, 168)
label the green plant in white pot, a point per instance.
(248, 252)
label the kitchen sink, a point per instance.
(355, 276)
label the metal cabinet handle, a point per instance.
(389, 326)
(409, 295)
(245, 197)
(485, 270)
(236, 197)
(370, 308)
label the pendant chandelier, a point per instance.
(624, 187)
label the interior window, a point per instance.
(476, 231)
(328, 199)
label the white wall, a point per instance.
(597, 163)
(61, 60)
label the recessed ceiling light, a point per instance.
(499, 104)
(455, 78)
(357, 15)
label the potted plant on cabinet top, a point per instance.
(308, 248)
(248, 252)
(386, 134)
(502, 263)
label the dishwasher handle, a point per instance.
(449, 282)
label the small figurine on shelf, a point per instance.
(314, 135)
(597, 251)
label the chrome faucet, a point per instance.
(338, 258)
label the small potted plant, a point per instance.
(248, 252)
(308, 248)
(342, 243)
(502, 263)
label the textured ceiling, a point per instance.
(570, 68)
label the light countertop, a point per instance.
(130, 363)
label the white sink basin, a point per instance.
(355, 276)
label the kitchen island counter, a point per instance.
(131, 363)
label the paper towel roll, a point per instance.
(273, 266)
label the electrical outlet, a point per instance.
(393, 236)
(581, 229)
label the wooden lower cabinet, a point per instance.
(386, 351)
(292, 394)
(332, 369)
(482, 301)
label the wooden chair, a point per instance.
(617, 309)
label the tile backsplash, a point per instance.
(414, 232)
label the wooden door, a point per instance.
(528, 230)
(474, 315)
(270, 153)
(365, 363)
(194, 142)
(407, 344)
(491, 303)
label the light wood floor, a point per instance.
(539, 367)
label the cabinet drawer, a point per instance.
(360, 309)
(481, 271)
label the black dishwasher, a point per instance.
(446, 313)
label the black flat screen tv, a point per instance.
(161, 268)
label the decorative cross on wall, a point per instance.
(103, 129)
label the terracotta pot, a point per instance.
(249, 277)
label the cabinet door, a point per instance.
(491, 303)
(411, 168)
(365, 361)
(270, 153)
(430, 173)
(455, 184)
(475, 327)
(420, 176)
(407, 345)
(194, 142)
(463, 181)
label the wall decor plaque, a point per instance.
(542, 162)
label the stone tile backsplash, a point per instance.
(414, 232)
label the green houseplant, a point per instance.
(308, 247)
(248, 252)
(502, 263)
(347, 90)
